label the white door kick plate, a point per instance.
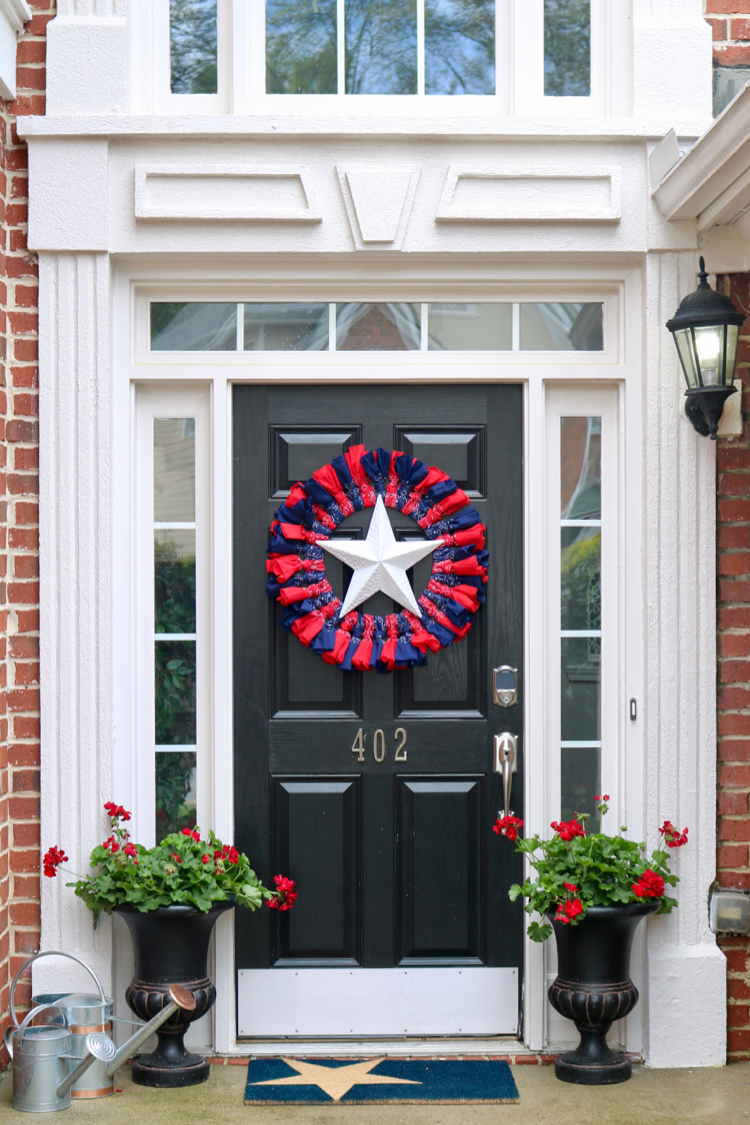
(370, 1002)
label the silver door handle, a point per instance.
(506, 763)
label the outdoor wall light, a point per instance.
(705, 329)
(729, 912)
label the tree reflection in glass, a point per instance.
(192, 46)
(175, 797)
(567, 48)
(459, 37)
(381, 46)
(301, 47)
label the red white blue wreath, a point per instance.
(302, 527)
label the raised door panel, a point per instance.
(316, 834)
(439, 863)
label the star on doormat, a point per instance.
(379, 1081)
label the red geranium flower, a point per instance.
(650, 885)
(570, 887)
(111, 845)
(287, 896)
(206, 858)
(673, 838)
(192, 833)
(177, 858)
(508, 826)
(568, 829)
(53, 857)
(116, 812)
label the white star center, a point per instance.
(380, 563)
(335, 1080)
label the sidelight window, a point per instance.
(175, 635)
(580, 614)
(172, 669)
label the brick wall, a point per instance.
(730, 21)
(19, 535)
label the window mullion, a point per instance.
(420, 47)
(341, 47)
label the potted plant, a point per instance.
(593, 890)
(170, 897)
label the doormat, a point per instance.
(379, 1082)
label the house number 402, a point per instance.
(378, 745)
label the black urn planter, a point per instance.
(170, 946)
(593, 988)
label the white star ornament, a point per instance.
(380, 563)
(338, 1080)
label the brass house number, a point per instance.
(378, 745)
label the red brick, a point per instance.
(734, 724)
(26, 350)
(30, 78)
(26, 886)
(26, 941)
(738, 1042)
(27, 754)
(25, 781)
(28, 914)
(719, 29)
(733, 644)
(734, 537)
(730, 55)
(27, 377)
(526, 1060)
(26, 726)
(31, 51)
(737, 562)
(734, 777)
(733, 804)
(27, 566)
(739, 29)
(734, 698)
(738, 881)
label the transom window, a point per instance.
(221, 326)
(518, 56)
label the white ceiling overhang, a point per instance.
(711, 185)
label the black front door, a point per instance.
(376, 793)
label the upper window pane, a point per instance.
(580, 468)
(567, 48)
(174, 470)
(558, 327)
(378, 328)
(470, 327)
(286, 328)
(381, 46)
(459, 46)
(193, 326)
(301, 47)
(192, 46)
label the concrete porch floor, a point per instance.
(666, 1097)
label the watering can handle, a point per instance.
(50, 953)
(32, 1015)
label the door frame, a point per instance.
(343, 278)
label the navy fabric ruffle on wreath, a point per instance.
(296, 564)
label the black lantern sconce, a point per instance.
(705, 329)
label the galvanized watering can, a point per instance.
(45, 1074)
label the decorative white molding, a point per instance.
(481, 194)
(13, 15)
(378, 201)
(686, 969)
(75, 596)
(219, 192)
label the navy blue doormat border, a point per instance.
(289, 1081)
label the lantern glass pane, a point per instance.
(733, 333)
(709, 345)
(683, 338)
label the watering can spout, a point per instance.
(100, 1046)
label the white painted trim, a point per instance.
(17, 13)
(532, 195)
(195, 196)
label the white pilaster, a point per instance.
(75, 596)
(686, 1017)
